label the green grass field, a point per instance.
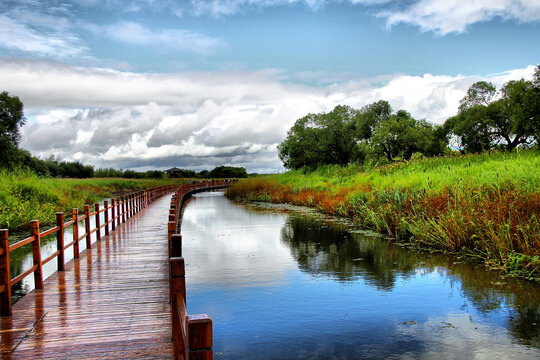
(484, 206)
(25, 196)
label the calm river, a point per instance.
(294, 286)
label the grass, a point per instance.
(485, 207)
(25, 196)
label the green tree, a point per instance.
(480, 93)
(516, 116)
(318, 139)
(370, 116)
(401, 136)
(228, 172)
(11, 119)
(507, 118)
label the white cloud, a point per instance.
(198, 120)
(179, 39)
(449, 16)
(220, 8)
(19, 36)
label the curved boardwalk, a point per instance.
(111, 303)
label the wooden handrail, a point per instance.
(21, 243)
(131, 204)
(192, 334)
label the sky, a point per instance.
(152, 84)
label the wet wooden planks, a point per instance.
(111, 303)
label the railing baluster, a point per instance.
(98, 222)
(106, 216)
(87, 226)
(5, 274)
(113, 214)
(119, 213)
(36, 254)
(60, 240)
(75, 230)
(123, 208)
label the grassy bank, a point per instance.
(485, 207)
(24, 196)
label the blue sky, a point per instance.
(154, 84)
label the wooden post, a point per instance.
(106, 213)
(36, 254)
(178, 275)
(199, 331)
(177, 286)
(123, 208)
(87, 226)
(60, 240)
(126, 202)
(98, 223)
(171, 227)
(75, 218)
(5, 274)
(176, 245)
(118, 208)
(113, 215)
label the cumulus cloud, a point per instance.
(198, 120)
(449, 16)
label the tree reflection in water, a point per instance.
(323, 247)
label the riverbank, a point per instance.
(25, 196)
(484, 207)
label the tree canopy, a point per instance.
(347, 135)
(490, 118)
(317, 139)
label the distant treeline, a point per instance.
(218, 172)
(54, 167)
(12, 157)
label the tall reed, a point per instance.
(483, 206)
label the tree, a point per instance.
(516, 116)
(370, 116)
(488, 118)
(401, 136)
(318, 139)
(480, 93)
(228, 172)
(472, 129)
(11, 119)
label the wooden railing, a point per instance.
(192, 334)
(121, 209)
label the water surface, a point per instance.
(294, 286)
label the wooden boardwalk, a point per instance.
(112, 303)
